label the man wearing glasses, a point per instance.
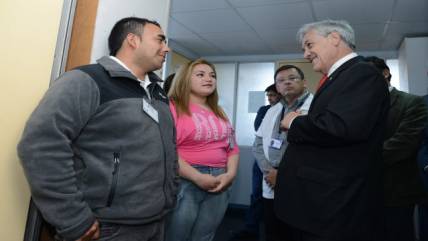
(271, 139)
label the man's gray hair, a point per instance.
(326, 27)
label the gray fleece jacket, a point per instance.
(90, 150)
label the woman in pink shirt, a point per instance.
(208, 154)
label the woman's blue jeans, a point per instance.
(198, 213)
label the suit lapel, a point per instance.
(336, 73)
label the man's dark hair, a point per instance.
(379, 63)
(272, 88)
(122, 28)
(168, 82)
(289, 66)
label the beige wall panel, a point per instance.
(177, 60)
(29, 31)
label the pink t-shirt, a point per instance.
(203, 138)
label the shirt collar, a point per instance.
(302, 98)
(299, 102)
(341, 61)
(143, 83)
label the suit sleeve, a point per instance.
(406, 139)
(350, 114)
(46, 153)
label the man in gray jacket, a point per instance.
(99, 150)
(271, 140)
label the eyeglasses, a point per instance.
(291, 79)
(271, 94)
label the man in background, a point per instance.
(99, 150)
(271, 139)
(403, 187)
(423, 170)
(273, 97)
(168, 82)
(251, 230)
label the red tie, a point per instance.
(322, 81)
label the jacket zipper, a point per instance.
(164, 166)
(116, 165)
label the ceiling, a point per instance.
(269, 27)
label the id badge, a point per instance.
(276, 143)
(149, 110)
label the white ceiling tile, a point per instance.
(189, 40)
(407, 29)
(237, 42)
(176, 30)
(368, 46)
(392, 43)
(279, 16)
(247, 3)
(368, 32)
(411, 10)
(212, 21)
(287, 48)
(279, 38)
(198, 46)
(196, 5)
(362, 11)
(225, 27)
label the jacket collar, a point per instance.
(393, 96)
(341, 61)
(346, 65)
(116, 70)
(336, 73)
(339, 70)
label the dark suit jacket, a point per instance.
(329, 180)
(423, 153)
(406, 121)
(260, 115)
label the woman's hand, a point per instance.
(225, 180)
(206, 182)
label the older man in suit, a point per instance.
(329, 185)
(423, 169)
(403, 185)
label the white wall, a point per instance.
(402, 68)
(226, 87)
(413, 65)
(110, 11)
(393, 65)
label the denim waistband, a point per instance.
(210, 170)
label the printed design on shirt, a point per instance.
(206, 128)
(225, 130)
(214, 127)
(198, 120)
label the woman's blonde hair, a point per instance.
(181, 88)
